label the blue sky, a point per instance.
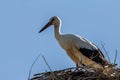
(20, 42)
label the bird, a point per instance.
(79, 49)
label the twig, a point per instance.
(105, 51)
(52, 73)
(46, 63)
(32, 66)
(115, 57)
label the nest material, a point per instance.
(79, 74)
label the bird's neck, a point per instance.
(57, 31)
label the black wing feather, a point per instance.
(93, 54)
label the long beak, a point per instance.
(45, 27)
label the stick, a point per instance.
(52, 73)
(115, 57)
(105, 51)
(32, 66)
(46, 63)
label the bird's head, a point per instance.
(53, 21)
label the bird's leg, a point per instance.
(80, 63)
(77, 66)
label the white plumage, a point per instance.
(80, 50)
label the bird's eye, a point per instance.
(53, 19)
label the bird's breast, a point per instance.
(65, 44)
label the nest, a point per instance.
(81, 73)
(110, 72)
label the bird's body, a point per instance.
(79, 49)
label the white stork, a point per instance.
(80, 50)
